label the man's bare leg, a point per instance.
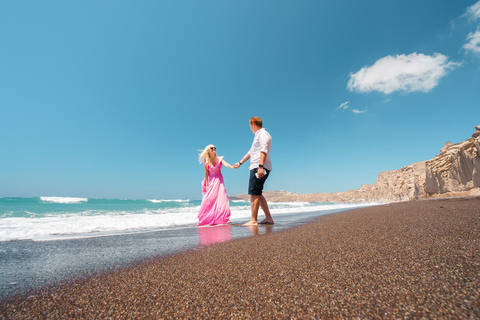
(255, 205)
(268, 217)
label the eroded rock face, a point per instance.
(454, 172)
(398, 185)
(456, 169)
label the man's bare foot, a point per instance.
(251, 223)
(266, 221)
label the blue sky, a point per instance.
(107, 99)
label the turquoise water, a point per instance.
(51, 218)
(45, 240)
(54, 206)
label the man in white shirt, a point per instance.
(260, 167)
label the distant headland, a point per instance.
(455, 172)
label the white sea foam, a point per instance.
(63, 199)
(93, 223)
(85, 223)
(296, 207)
(173, 200)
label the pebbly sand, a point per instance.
(403, 260)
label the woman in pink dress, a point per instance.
(215, 208)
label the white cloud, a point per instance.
(343, 106)
(473, 12)
(473, 38)
(473, 43)
(408, 73)
(358, 111)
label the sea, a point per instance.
(47, 240)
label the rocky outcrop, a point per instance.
(453, 172)
(397, 185)
(456, 169)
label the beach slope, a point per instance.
(406, 260)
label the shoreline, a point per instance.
(403, 259)
(33, 265)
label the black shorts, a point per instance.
(255, 185)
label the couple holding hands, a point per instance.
(215, 207)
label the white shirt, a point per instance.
(262, 142)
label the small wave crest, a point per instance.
(86, 224)
(107, 218)
(63, 199)
(172, 200)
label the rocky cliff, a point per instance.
(456, 168)
(453, 172)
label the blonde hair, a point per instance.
(205, 155)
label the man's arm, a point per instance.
(239, 163)
(261, 172)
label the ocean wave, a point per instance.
(63, 199)
(290, 207)
(167, 200)
(92, 220)
(88, 225)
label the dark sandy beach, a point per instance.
(403, 260)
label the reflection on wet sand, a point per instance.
(264, 229)
(208, 235)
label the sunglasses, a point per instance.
(213, 148)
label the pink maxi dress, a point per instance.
(215, 208)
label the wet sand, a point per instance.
(403, 260)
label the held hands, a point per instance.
(236, 165)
